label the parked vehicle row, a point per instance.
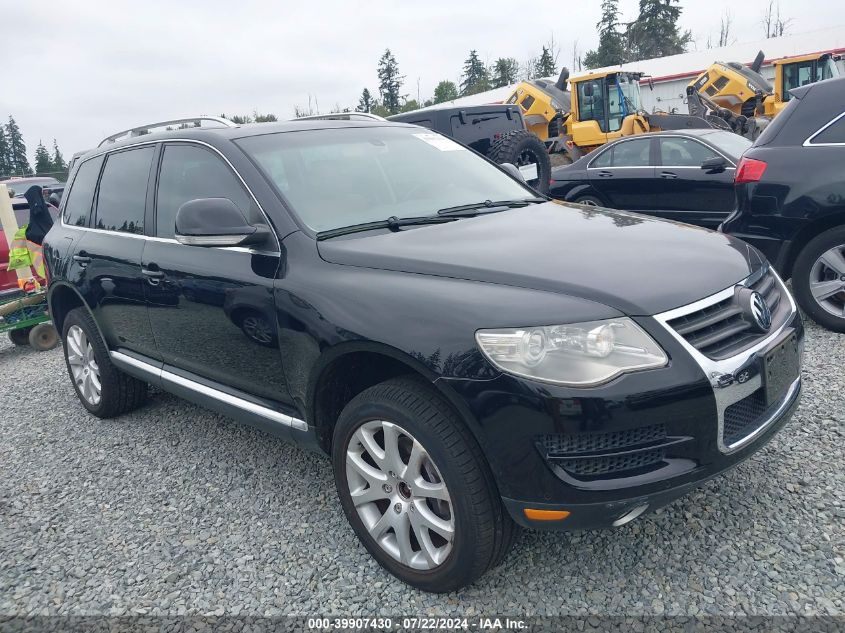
(784, 195)
(471, 355)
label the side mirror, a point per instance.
(513, 170)
(215, 222)
(714, 165)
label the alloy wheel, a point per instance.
(83, 365)
(827, 281)
(399, 495)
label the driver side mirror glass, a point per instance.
(216, 222)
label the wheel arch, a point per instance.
(347, 369)
(61, 299)
(584, 189)
(807, 233)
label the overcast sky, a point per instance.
(79, 71)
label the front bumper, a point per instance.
(633, 444)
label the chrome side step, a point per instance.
(176, 383)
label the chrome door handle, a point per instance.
(668, 174)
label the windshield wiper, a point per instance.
(393, 223)
(488, 206)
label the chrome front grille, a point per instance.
(731, 363)
(723, 329)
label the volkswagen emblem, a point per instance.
(759, 311)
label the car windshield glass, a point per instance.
(345, 176)
(729, 143)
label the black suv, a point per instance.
(790, 188)
(496, 131)
(471, 356)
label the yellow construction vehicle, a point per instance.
(741, 97)
(595, 109)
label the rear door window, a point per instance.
(80, 198)
(122, 198)
(683, 152)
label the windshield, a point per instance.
(631, 89)
(730, 143)
(345, 176)
(828, 69)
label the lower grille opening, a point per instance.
(616, 453)
(594, 466)
(742, 418)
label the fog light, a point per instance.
(545, 515)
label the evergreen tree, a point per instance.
(19, 164)
(655, 31)
(475, 78)
(611, 48)
(264, 118)
(445, 91)
(43, 164)
(410, 105)
(365, 103)
(505, 72)
(57, 159)
(5, 166)
(545, 65)
(390, 82)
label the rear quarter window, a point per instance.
(80, 198)
(832, 133)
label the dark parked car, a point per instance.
(471, 356)
(685, 175)
(791, 198)
(496, 131)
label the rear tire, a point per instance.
(818, 271)
(521, 147)
(118, 392)
(480, 532)
(43, 337)
(20, 337)
(589, 201)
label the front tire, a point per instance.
(416, 488)
(100, 386)
(818, 279)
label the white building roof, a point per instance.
(688, 65)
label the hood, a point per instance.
(636, 264)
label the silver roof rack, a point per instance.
(145, 129)
(341, 116)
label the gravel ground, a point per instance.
(175, 510)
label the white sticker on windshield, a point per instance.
(440, 142)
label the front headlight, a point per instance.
(577, 355)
